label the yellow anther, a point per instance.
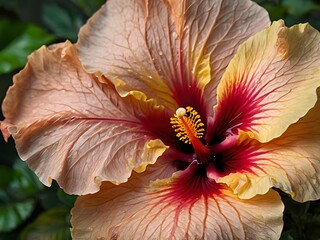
(187, 124)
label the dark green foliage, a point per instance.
(293, 11)
(18, 44)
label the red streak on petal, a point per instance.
(191, 95)
(240, 158)
(180, 64)
(108, 119)
(186, 90)
(153, 124)
(238, 109)
(230, 142)
(158, 123)
(191, 185)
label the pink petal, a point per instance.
(161, 209)
(70, 127)
(169, 49)
(114, 43)
(270, 83)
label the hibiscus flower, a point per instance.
(173, 120)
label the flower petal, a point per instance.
(290, 162)
(271, 82)
(70, 127)
(168, 49)
(228, 24)
(114, 43)
(164, 210)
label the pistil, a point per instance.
(189, 128)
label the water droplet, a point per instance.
(161, 53)
(97, 180)
(174, 35)
(88, 84)
(150, 77)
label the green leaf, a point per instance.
(7, 176)
(65, 26)
(25, 183)
(2, 2)
(20, 43)
(51, 225)
(12, 30)
(13, 213)
(89, 6)
(50, 199)
(275, 12)
(298, 7)
(67, 200)
(286, 236)
(17, 197)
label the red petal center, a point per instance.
(191, 185)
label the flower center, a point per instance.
(188, 126)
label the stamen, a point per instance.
(187, 124)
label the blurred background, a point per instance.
(28, 210)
